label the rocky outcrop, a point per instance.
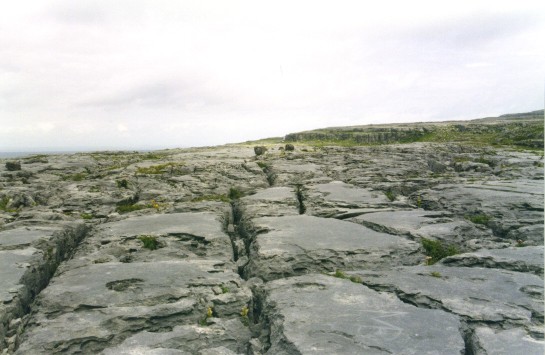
(408, 248)
(524, 129)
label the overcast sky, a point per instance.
(133, 74)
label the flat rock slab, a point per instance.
(291, 245)
(341, 200)
(188, 339)
(273, 194)
(180, 235)
(318, 314)
(14, 264)
(510, 205)
(22, 237)
(505, 342)
(346, 194)
(274, 201)
(479, 294)
(205, 225)
(523, 259)
(439, 225)
(92, 307)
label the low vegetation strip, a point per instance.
(524, 131)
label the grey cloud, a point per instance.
(472, 31)
(159, 94)
(78, 13)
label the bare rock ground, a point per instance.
(310, 251)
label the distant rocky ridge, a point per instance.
(410, 248)
(522, 129)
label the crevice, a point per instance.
(268, 171)
(59, 248)
(470, 344)
(242, 235)
(300, 195)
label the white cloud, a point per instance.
(242, 69)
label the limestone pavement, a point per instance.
(310, 251)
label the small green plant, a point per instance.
(436, 251)
(390, 195)
(209, 313)
(355, 279)
(341, 275)
(479, 218)
(129, 208)
(299, 193)
(234, 193)
(87, 216)
(419, 202)
(150, 242)
(435, 274)
(225, 289)
(4, 205)
(244, 316)
(122, 184)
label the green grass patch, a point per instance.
(435, 274)
(130, 208)
(122, 184)
(479, 218)
(527, 134)
(150, 242)
(87, 216)
(4, 201)
(390, 195)
(74, 177)
(235, 193)
(341, 275)
(153, 156)
(436, 251)
(158, 169)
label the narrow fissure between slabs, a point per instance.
(268, 171)
(300, 195)
(241, 236)
(60, 247)
(419, 301)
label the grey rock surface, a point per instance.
(291, 245)
(506, 298)
(524, 259)
(505, 342)
(317, 314)
(317, 250)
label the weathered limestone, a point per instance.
(28, 259)
(523, 259)
(217, 251)
(294, 245)
(317, 314)
(437, 225)
(504, 342)
(483, 295)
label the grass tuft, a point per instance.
(436, 251)
(150, 242)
